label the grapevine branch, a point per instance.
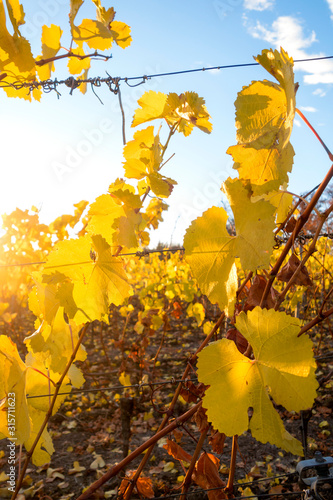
(188, 477)
(117, 468)
(41, 62)
(299, 225)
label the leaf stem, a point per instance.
(315, 133)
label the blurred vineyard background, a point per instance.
(147, 346)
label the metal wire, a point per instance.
(117, 387)
(113, 82)
(143, 253)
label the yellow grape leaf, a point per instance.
(196, 311)
(266, 169)
(282, 202)
(125, 193)
(102, 214)
(153, 106)
(94, 34)
(106, 16)
(254, 224)
(42, 299)
(38, 382)
(50, 47)
(16, 14)
(264, 117)
(153, 214)
(280, 65)
(16, 59)
(143, 154)
(189, 111)
(210, 255)
(44, 448)
(126, 228)
(13, 374)
(98, 276)
(116, 222)
(121, 34)
(75, 64)
(160, 185)
(184, 111)
(283, 369)
(125, 379)
(74, 8)
(55, 343)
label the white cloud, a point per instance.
(258, 4)
(330, 6)
(287, 32)
(297, 122)
(308, 109)
(319, 92)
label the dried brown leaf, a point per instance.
(177, 451)
(288, 270)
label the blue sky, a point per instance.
(85, 136)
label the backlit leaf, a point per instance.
(254, 223)
(97, 283)
(50, 47)
(283, 369)
(184, 111)
(209, 251)
(94, 34)
(264, 117)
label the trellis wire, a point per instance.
(143, 253)
(113, 82)
(118, 387)
(262, 495)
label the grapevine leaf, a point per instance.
(50, 47)
(209, 251)
(97, 282)
(160, 185)
(267, 168)
(281, 200)
(153, 106)
(254, 224)
(264, 117)
(184, 111)
(115, 216)
(44, 449)
(16, 14)
(74, 8)
(121, 34)
(13, 385)
(188, 110)
(56, 343)
(143, 154)
(16, 59)
(75, 64)
(283, 369)
(102, 215)
(94, 34)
